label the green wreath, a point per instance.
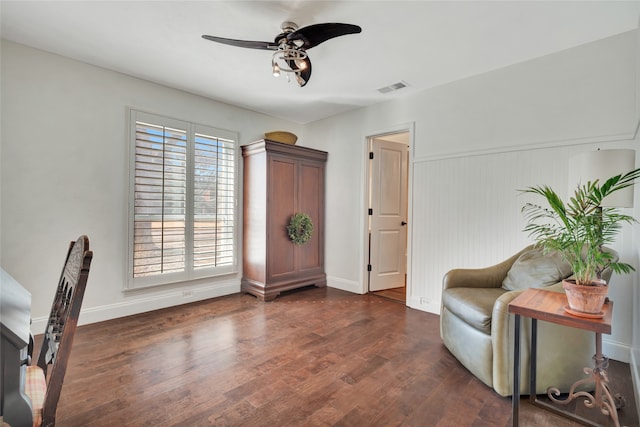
(300, 228)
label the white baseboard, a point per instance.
(345, 285)
(141, 304)
(616, 350)
(420, 303)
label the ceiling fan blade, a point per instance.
(305, 70)
(243, 43)
(313, 35)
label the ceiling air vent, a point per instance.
(393, 87)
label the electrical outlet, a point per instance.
(187, 294)
(424, 301)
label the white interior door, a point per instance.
(388, 215)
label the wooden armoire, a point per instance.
(281, 180)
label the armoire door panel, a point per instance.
(311, 201)
(282, 195)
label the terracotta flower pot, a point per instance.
(585, 301)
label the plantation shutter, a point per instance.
(183, 203)
(214, 201)
(160, 199)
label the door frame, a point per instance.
(401, 128)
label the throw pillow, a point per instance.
(534, 269)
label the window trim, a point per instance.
(190, 274)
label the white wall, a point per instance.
(476, 142)
(64, 173)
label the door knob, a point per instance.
(403, 223)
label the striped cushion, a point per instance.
(35, 388)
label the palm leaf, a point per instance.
(580, 223)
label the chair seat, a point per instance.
(35, 388)
(473, 305)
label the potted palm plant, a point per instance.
(579, 229)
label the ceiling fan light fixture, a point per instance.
(301, 64)
(288, 59)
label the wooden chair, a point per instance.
(44, 380)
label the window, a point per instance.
(182, 207)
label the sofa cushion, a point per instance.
(473, 305)
(534, 269)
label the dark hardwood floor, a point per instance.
(312, 357)
(394, 294)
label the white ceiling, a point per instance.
(423, 43)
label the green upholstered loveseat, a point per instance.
(475, 324)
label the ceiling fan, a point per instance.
(291, 46)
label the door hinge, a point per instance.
(370, 211)
(369, 267)
(371, 155)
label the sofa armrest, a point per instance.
(500, 314)
(488, 277)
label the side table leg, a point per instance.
(533, 360)
(602, 397)
(515, 398)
